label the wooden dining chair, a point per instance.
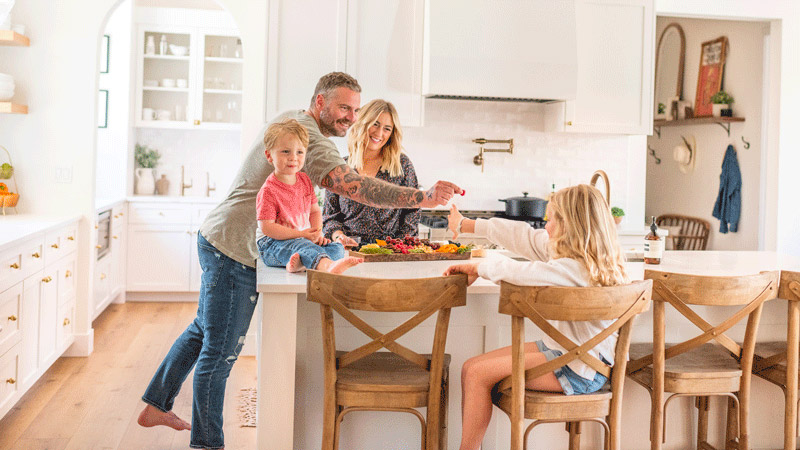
(777, 362)
(693, 234)
(696, 367)
(542, 303)
(365, 379)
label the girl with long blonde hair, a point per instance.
(578, 247)
(375, 150)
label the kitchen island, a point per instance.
(290, 374)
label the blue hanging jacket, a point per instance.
(729, 201)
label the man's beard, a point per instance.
(327, 126)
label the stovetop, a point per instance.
(438, 219)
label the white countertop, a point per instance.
(18, 227)
(173, 199)
(102, 204)
(713, 263)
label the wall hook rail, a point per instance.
(746, 144)
(653, 152)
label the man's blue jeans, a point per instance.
(212, 341)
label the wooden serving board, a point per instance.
(399, 257)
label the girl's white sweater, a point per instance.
(518, 237)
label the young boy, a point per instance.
(289, 218)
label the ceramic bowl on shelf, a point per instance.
(6, 77)
(150, 83)
(168, 82)
(178, 50)
(6, 85)
(6, 95)
(182, 82)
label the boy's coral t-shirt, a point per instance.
(287, 205)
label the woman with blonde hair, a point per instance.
(578, 247)
(375, 150)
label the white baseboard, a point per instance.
(161, 296)
(82, 346)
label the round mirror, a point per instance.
(669, 67)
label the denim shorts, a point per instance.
(276, 253)
(571, 382)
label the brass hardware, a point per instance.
(70, 238)
(121, 214)
(67, 274)
(66, 321)
(103, 276)
(569, 124)
(601, 174)
(116, 216)
(47, 279)
(160, 213)
(11, 381)
(54, 246)
(188, 232)
(197, 122)
(14, 266)
(208, 185)
(36, 255)
(12, 318)
(96, 227)
(184, 186)
(479, 160)
(115, 236)
(98, 246)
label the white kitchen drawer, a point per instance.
(32, 257)
(9, 378)
(60, 242)
(160, 214)
(66, 279)
(10, 317)
(199, 213)
(66, 325)
(10, 268)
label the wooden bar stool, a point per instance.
(693, 232)
(543, 303)
(400, 380)
(695, 367)
(777, 362)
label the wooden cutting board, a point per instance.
(399, 257)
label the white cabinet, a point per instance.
(162, 241)
(109, 271)
(384, 53)
(615, 70)
(196, 83)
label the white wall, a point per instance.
(669, 191)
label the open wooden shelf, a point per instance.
(13, 108)
(8, 37)
(724, 122)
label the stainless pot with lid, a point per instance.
(525, 206)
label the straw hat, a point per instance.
(686, 154)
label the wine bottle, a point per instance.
(653, 245)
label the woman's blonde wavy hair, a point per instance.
(359, 136)
(585, 231)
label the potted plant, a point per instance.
(721, 101)
(147, 159)
(618, 214)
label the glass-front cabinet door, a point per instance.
(222, 79)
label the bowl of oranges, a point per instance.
(9, 199)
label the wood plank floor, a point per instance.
(92, 403)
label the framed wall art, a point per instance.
(102, 109)
(709, 77)
(104, 53)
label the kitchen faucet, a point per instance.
(602, 174)
(184, 186)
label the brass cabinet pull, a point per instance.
(54, 246)
(47, 279)
(197, 122)
(66, 321)
(14, 266)
(121, 214)
(11, 381)
(116, 216)
(569, 123)
(70, 238)
(12, 318)
(115, 236)
(103, 276)
(98, 246)
(96, 227)
(67, 274)
(36, 255)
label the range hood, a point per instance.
(507, 50)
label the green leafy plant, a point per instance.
(662, 108)
(146, 157)
(617, 211)
(721, 98)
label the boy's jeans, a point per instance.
(277, 253)
(212, 341)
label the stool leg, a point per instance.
(732, 428)
(443, 413)
(702, 420)
(574, 429)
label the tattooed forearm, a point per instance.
(344, 181)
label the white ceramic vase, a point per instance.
(716, 109)
(145, 181)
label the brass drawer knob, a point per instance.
(66, 321)
(36, 255)
(12, 318)
(14, 266)
(54, 246)
(103, 276)
(115, 236)
(569, 123)
(67, 274)
(11, 381)
(197, 122)
(70, 238)
(96, 227)
(121, 214)
(98, 246)
(47, 279)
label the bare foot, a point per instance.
(152, 416)
(344, 264)
(295, 264)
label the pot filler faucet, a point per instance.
(478, 160)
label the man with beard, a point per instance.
(227, 251)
